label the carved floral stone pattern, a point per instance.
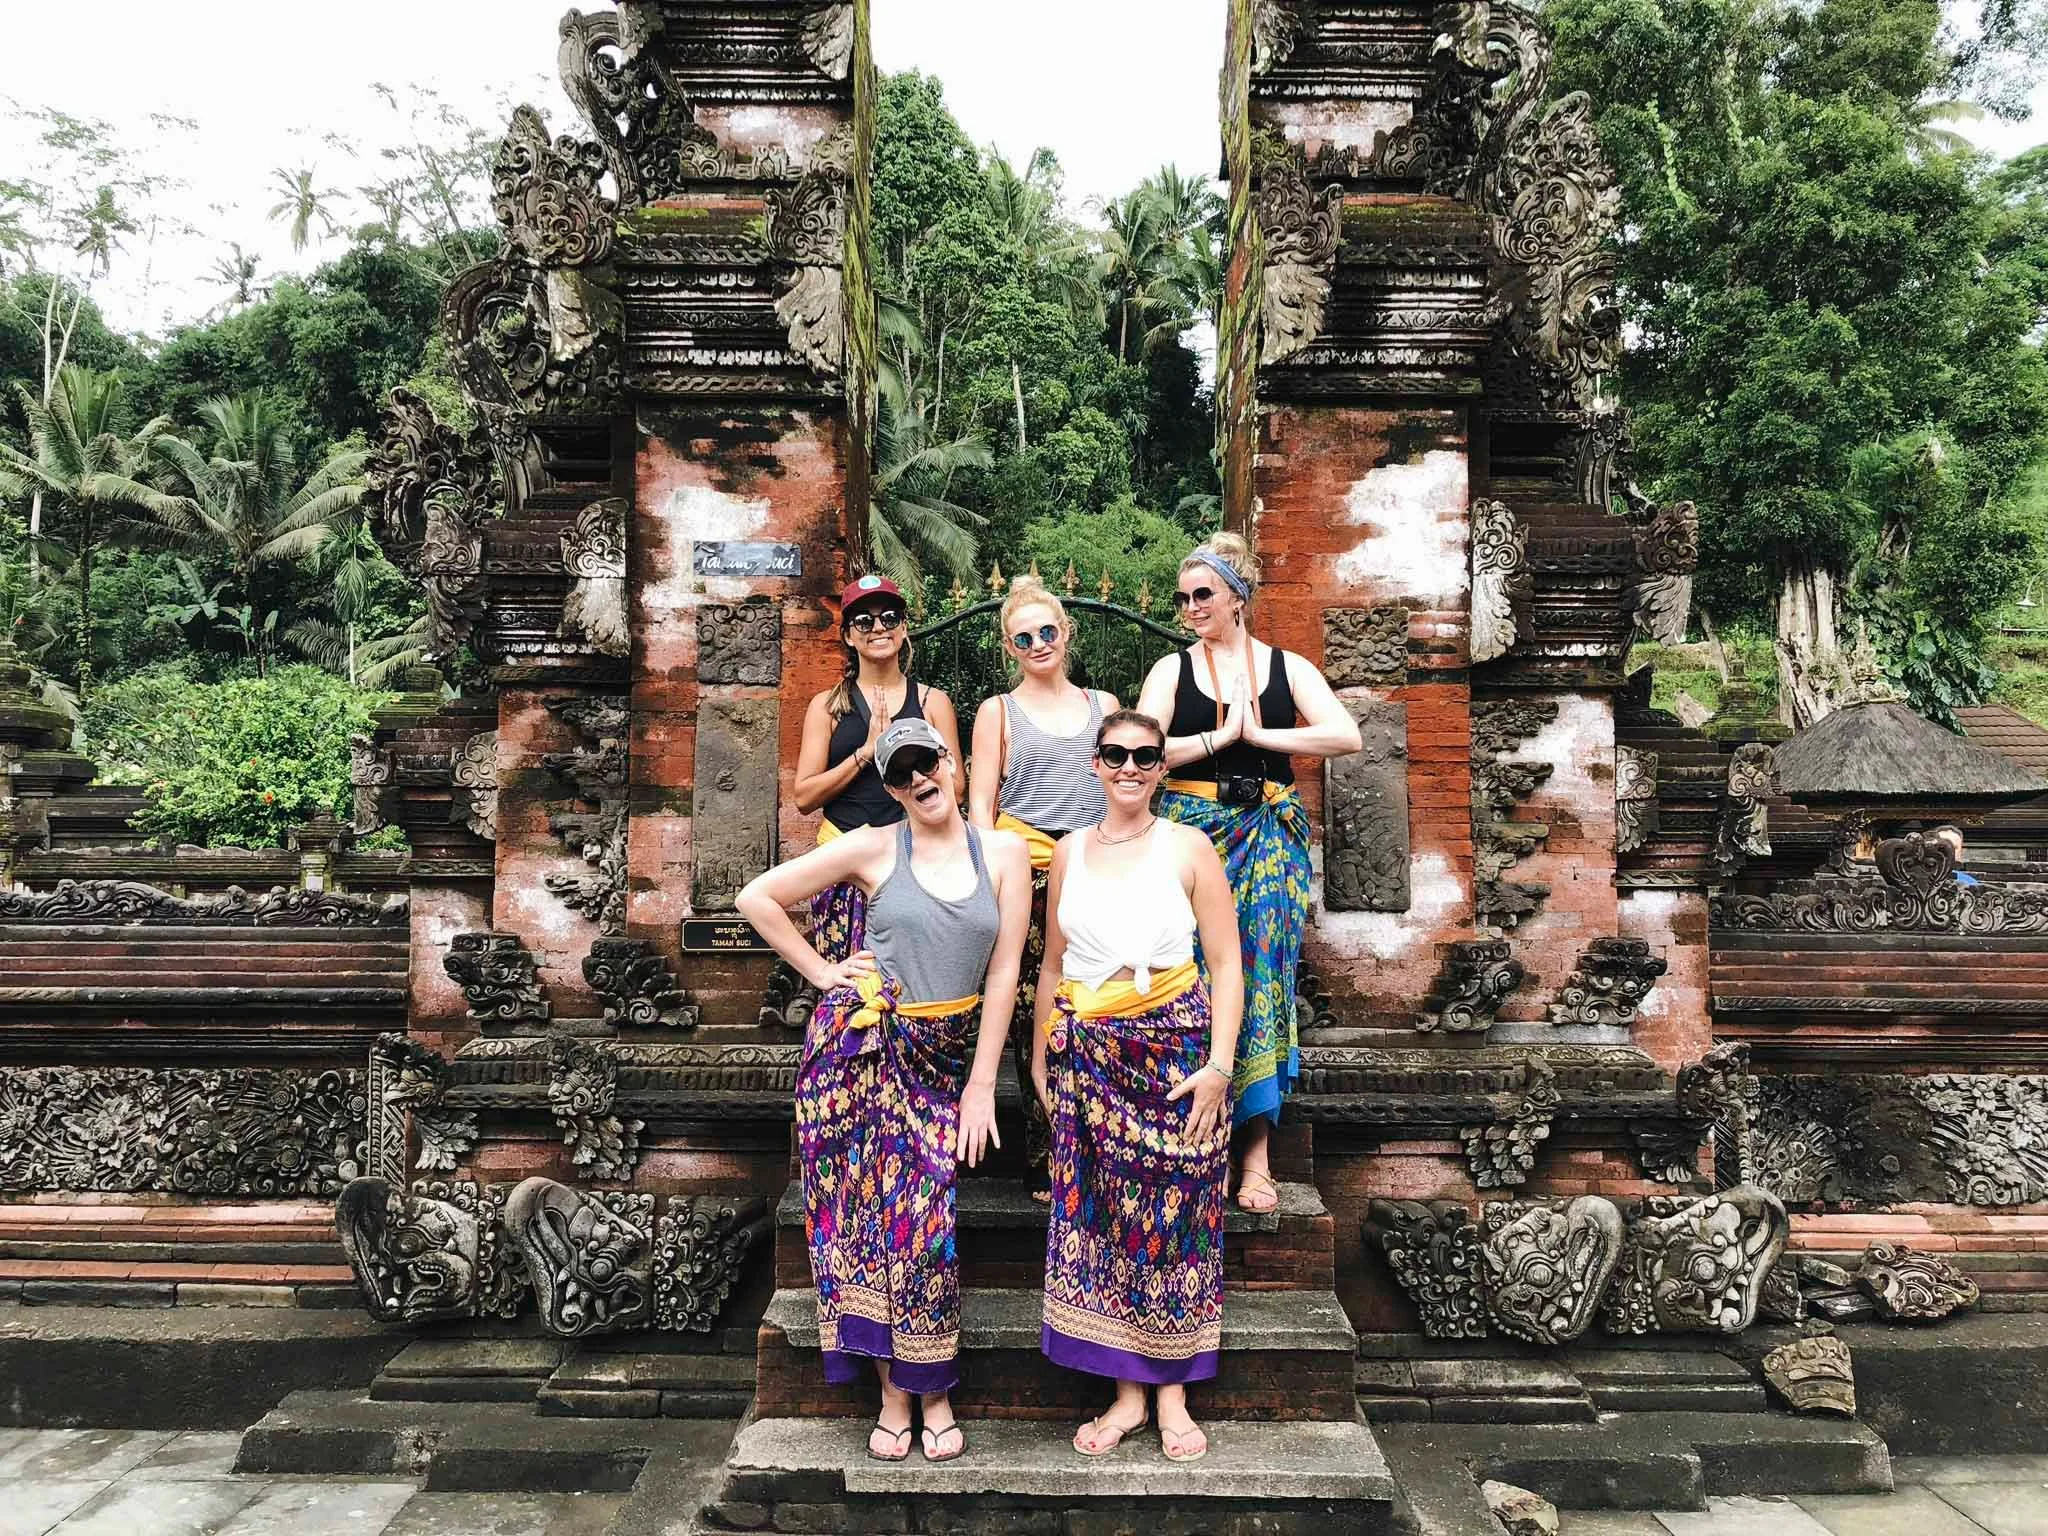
(594, 555)
(1814, 1375)
(188, 1131)
(638, 987)
(1744, 830)
(807, 232)
(740, 644)
(370, 772)
(414, 1257)
(1667, 553)
(429, 490)
(1502, 1154)
(1635, 798)
(1365, 817)
(1611, 980)
(583, 1082)
(590, 1256)
(475, 769)
(1475, 979)
(1547, 1265)
(1916, 892)
(499, 977)
(548, 197)
(1500, 578)
(1434, 1252)
(1366, 647)
(702, 1243)
(595, 775)
(1301, 225)
(1913, 1287)
(1499, 842)
(127, 901)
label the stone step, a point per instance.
(622, 1382)
(1667, 1381)
(790, 1476)
(478, 1370)
(1288, 1356)
(482, 1448)
(1472, 1391)
(1001, 1240)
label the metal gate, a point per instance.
(1112, 649)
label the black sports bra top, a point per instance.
(1195, 712)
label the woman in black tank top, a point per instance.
(835, 765)
(1236, 714)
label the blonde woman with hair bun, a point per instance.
(1236, 712)
(1033, 773)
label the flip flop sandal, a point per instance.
(932, 1437)
(1265, 1189)
(1175, 1441)
(1103, 1426)
(899, 1436)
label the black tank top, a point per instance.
(1195, 712)
(865, 802)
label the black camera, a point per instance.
(1234, 790)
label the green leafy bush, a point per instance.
(233, 764)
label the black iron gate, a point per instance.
(1112, 649)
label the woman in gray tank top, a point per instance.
(1034, 775)
(887, 1102)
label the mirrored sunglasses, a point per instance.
(909, 763)
(1025, 640)
(1147, 758)
(868, 620)
(1199, 595)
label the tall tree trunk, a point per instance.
(85, 610)
(1017, 389)
(1811, 669)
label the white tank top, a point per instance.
(1141, 920)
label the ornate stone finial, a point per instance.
(1667, 555)
(1867, 683)
(548, 198)
(1070, 582)
(1474, 980)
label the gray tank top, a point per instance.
(1050, 782)
(938, 949)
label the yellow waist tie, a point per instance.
(874, 1002)
(1040, 843)
(1123, 1000)
(827, 833)
(1274, 792)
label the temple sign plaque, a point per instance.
(747, 558)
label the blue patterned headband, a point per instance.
(1227, 571)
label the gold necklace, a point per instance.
(1107, 841)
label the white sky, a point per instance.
(1116, 87)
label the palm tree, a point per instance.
(244, 505)
(913, 524)
(303, 206)
(78, 464)
(1138, 257)
(99, 225)
(237, 274)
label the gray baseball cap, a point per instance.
(906, 733)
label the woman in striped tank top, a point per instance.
(1034, 775)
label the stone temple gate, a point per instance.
(1625, 1044)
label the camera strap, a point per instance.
(1251, 681)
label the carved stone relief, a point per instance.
(733, 807)
(590, 1255)
(1913, 1287)
(1916, 892)
(189, 1131)
(129, 902)
(370, 771)
(639, 989)
(1366, 647)
(828, 40)
(1475, 979)
(1434, 1252)
(1302, 227)
(1744, 830)
(1611, 980)
(1501, 727)
(1502, 1154)
(429, 490)
(406, 1082)
(702, 1243)
(548, 196)
(1501, 582)
(1365, 821)
(1667, 555)
(474, 770)
(1813, 1375)
(807, 232)
(594, 554)
(740, 643)
(499, 977)
(596, 775)
(583, 1083)
(1635, 798)
(415, 1259)
(1700, 1268)
(1547, 1265)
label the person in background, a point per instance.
(1236, 712)
(1033, 747)
(897, 1084)
(1952, 835)
(835, 765)
(1132, 1058)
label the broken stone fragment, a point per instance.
(1908, 1286)
(1519, 1511)
(1814, 1375)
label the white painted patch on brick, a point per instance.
(1415, 519)
(1649, 915)
(1579, 744)
(1433, 891)
(698, 514)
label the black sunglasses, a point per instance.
(909, 763)
(1147, 758)
(1048, 634)
(868, 620)
(1199, 595)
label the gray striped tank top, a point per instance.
(938, 949)
(1050, 782)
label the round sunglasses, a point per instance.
(1203, 595)
(1115, 755)
(868, 620)
(1025, 640)
(909, 763)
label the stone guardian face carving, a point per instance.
(1701, 1269)
(591, 1257)
(1547, 1267)
(415, 1259)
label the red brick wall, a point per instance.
(529, 852)
(437, 1013)
(1674, 1025)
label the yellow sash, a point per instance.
(874, 1002)
(1040, 843)
(1123, 1000)
(827, 833)
(1207, 791)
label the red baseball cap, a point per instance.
(866, 589)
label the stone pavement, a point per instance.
(124, 1482)
(1936, 1496)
